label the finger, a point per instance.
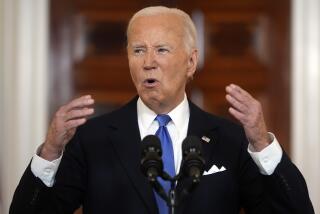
(75, 123)
(80, 102)
(238, 115)
(79, 113)
(241, 90)
(238, 93)
(236, 104)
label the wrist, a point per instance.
(50, 152)
(261, 144)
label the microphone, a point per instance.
(151, 162)
(192, 162)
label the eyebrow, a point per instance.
(162, 45)
(137, 45)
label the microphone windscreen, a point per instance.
(191, 142)
(151, 141)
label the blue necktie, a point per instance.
(167, 158)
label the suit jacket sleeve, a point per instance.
(287, 188)
(285, 191)
(33, 196)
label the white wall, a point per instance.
(23, 88)
(306, 93)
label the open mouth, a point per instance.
(150, 82)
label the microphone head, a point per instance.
(151, 143)
(191, 144)
(192, 162)
(151, 163)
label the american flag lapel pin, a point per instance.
(206, 139)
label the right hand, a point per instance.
(64, 124)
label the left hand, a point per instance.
(248, 111)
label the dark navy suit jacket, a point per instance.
(100, 171)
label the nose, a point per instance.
(149, 61)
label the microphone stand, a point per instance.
(172, 202)
(172, 197)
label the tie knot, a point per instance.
(163, 119)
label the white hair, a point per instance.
(190, 35)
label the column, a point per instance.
(23, 88)
(306, 93)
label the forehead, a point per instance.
(156, 26)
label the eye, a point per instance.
(162, 50)
(138, 51)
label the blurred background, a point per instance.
(53, 51)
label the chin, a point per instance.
(152, 98)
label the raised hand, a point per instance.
(63, 126)
(248, 111)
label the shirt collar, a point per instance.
(179, 115)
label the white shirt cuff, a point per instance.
(45, 170)
(268, 159)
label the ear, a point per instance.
(192, 63)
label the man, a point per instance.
(100, 161)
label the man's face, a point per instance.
(158, 60)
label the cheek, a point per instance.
(133, 70)
(134, 77)
(178, 73)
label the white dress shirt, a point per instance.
(177, 127)
(267, 159)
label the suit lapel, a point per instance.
(202, 125)
(127, 143)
